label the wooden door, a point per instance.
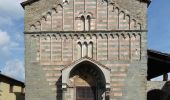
(85, 93)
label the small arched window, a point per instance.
(84, 49)
(90, 50)
(79, 49)
(82, 19)
(88, 23)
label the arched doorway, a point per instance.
(86, 80)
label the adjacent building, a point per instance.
(11, 89)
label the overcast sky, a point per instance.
(12, 43)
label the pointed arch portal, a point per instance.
(86, 79)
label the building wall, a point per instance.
(152, 85)
(128, 68)
(7, 95)
(65, 48)
(104, 15)
(57, 34)
(158, 90)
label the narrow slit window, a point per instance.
(88, 23)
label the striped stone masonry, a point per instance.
(58, 49)
(55, 51)
(118, 76)
(86, 43)
(85, 15)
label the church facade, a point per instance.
(86, 49)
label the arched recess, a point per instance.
(38, 25)
(88, 23)
(116, 18)
(135, 47)
(86, 73)
(84, 49)
(49, 21)
(121, 20)
(59, 18)
(133, 24)
(138, 26)
(82, 23)
(54, 19)
(90, 50)
(79, 50)
(127, 24)
(43, 23)
(32, 28)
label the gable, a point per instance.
(84, 15)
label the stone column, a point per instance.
(64, 90)
(64, 94)
(107, 94)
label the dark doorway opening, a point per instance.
(85, 93)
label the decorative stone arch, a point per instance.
(75, 36)
(100, 36)
(38, 26)
(86, 74)
(32, 27)
(82, 37)
(43, 23)
(88, 36)
(105, 71)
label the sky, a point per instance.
(12, 37)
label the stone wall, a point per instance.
(113, 33)
(11, 93)
(48, 53)
(158, 90)
(86, 15)
(58, 48)
(152, 85)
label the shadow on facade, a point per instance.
(19, 96)
(59, 88)
(160, 94)
(156, 94)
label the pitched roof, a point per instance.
(7, 79)
(158, 63)
(26, 2)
